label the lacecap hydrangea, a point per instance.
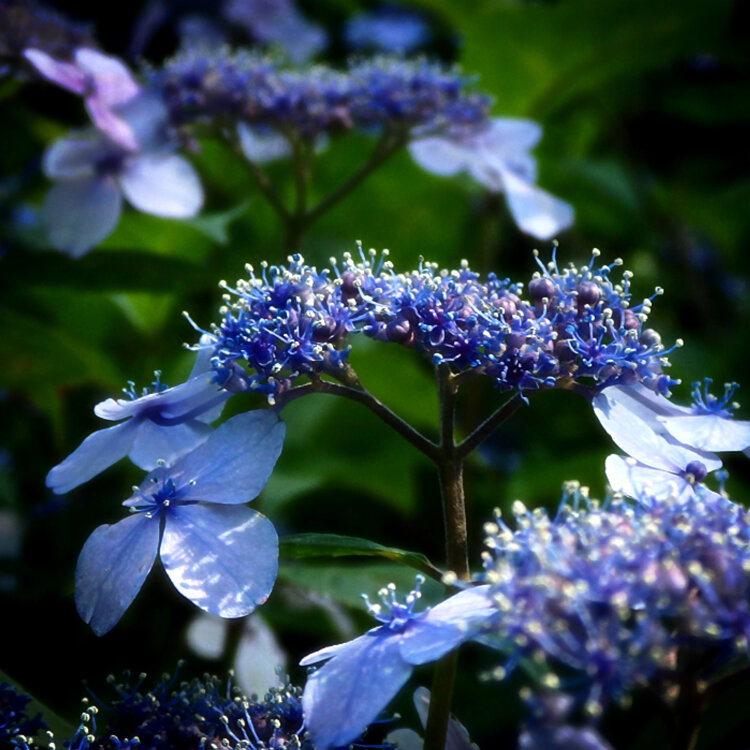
(624, 594)
(572, 326)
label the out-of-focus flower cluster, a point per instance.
(200, 713)
(574, 325)
(624, 595)
(382, 92)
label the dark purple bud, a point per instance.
(626, 319)
(541, 288)
(588, 294)
(399, 331)
(515, 340)
(326, 330)
(564, 351)
(649, 337)
(507, 305)
(349, 288)
(696, 470)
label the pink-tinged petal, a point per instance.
(154, 442)
(631, 419)
(113, 82)
(262, 147)
(64, 74)
(642, 482)
(535, 211)
(97, 452)
(709, 432)
(440, 156)
(74, 156)
(164, 185)
(447, 625)
(223, 558)
(80, 213)
(112, 567)
(346, 694)
(234, 464)
(111, 124)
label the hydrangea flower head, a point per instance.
(218, 553)
(160, 423)
(103, 81)
(576, 325)
(613, 591)
(372, 95)
(360, 677)
(92, 173)
(496, 154)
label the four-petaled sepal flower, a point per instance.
(218, 553)
(361, 676)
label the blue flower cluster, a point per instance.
(16, 726)
(383, 92)
(576, 325)
(619, 592)
(200, 713)
(290, 321)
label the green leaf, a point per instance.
(60, 727)
(539, 57)
(115, 270)
(346, 585)
(216, 226)
(300, 546)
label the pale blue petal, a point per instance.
(345, 695)
(262, 147)
(80, 213)
(189, 400)
(405, 739)
(204, 367)
(162, 184)
(74, 156)
(112, 567)
(325, 653)
(154, 442)
(97, 452)
(447, 625)
(457, 736)
(643, 482)
(439, 156)
(709, 432)
(633, 425)
(535, 211)
(223, 558)
(234, 464)
(508, 136)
